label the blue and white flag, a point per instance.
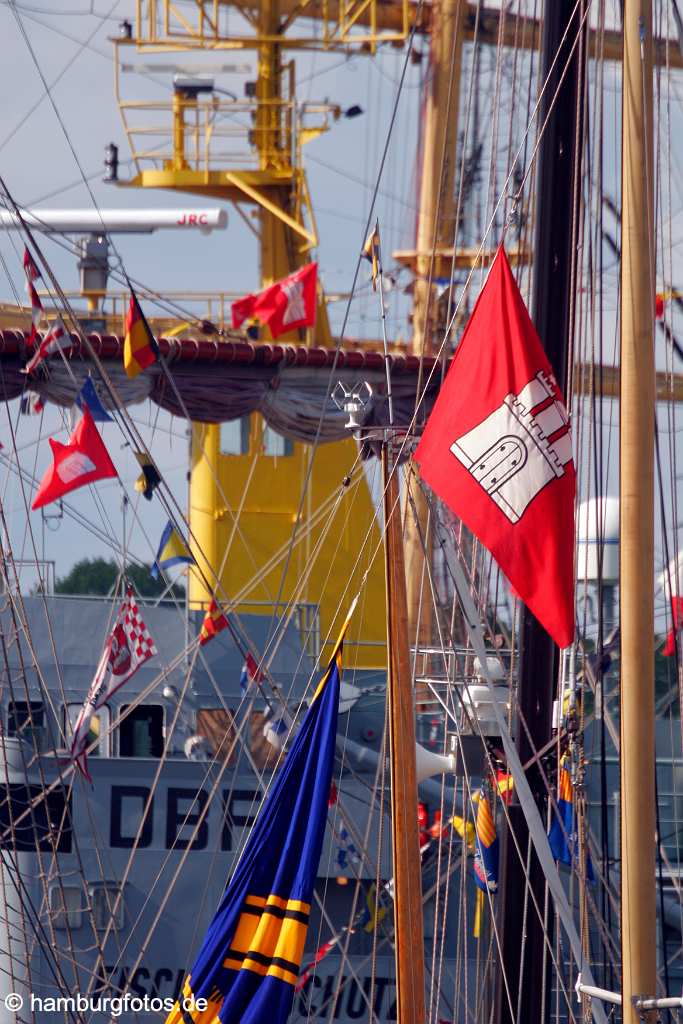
(88, 396)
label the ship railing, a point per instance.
(213, 306)
(160, 26)
(41, 572)
(204, 135)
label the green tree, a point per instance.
(98, 576)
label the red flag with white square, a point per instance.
(82, 461)
(285, 305)
(128, 646)
(497, 450)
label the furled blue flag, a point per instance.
(172, 551)
(563, 836)
(248, 964)
(88, 396)
(485, 847)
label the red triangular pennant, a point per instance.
(82, 461)
(284, 306)
(497, 449)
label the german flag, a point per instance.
(214, 622)
(140, 349)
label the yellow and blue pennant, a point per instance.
(172, 551)
(248, 965)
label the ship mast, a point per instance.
(435, 231)
(559, 167)
(408, 928)
(637, 412)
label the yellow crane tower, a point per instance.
(246, 482)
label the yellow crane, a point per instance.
(247, 484)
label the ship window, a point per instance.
(27, 719)
(276, 444)
(141, 733)
(107, 908)
(66, 906)
(99, 729)
(235, 436)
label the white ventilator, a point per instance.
(427, 763)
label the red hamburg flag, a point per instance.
(283, 306)
(82, 461)
(669, 648)
(497, 449)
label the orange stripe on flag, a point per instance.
(486, 831)
(139, 347)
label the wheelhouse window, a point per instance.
(141, 732)
(98, 731)
(26, 719)
(107, 908)
(276, 444)
(66, 907)
(235, 436)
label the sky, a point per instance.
(47, 145)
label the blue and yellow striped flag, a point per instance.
(563, 836)
(249, 961)
(486, 846)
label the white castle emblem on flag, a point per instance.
(75, 465)
(510, 453)
(296, 308)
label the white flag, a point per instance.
(57, 337)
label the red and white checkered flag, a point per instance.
(32, 274)
(57, 337)
(128, 646)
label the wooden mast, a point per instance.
(638, 821)
(408, 930)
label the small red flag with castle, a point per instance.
(284, 306)
(497, 450)
(82, 461)
(214, 622)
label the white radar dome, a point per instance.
(597, 537)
